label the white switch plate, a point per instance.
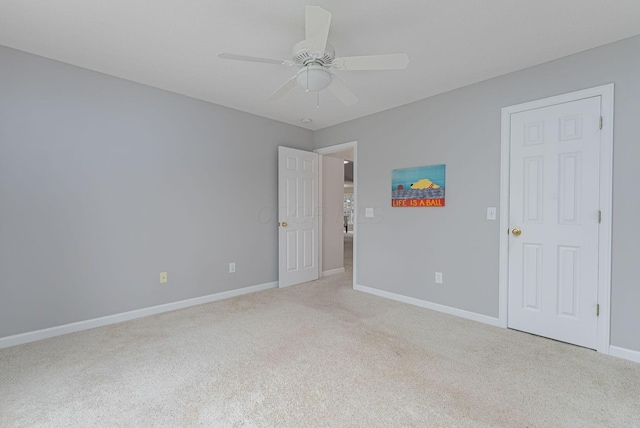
(491, 213)
(438, 277)
(368, 212)
(232, 267)
(163, 277)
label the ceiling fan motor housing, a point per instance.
(303, 55)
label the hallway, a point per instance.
(348, 252)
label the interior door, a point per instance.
(298, 216)
(554, 220)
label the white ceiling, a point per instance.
(172, 44)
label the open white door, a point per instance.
(298, 216)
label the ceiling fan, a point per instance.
(315, 58)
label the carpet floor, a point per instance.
(315, 354)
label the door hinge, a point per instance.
(601, 122)
(599, 216)
(598, 309)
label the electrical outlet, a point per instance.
(438, 277)
(368, 212)
(163, 277)
(232, 267)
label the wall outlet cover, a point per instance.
(491, 213)
(163, 277)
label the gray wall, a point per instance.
(104, 183)
(399, 249)
(332, 213)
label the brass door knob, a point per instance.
(516, 232)
(284, 224)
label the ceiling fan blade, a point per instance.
(373, 62)
(283, 90)
(226, 55)
(317, 23)
(341, 92)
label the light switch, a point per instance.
(491, 213)
(368, 212)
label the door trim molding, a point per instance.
(333, 149)
(606, 92)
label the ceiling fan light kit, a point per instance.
(315, 57)
(313, 78)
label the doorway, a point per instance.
(347, 152)
(555, 252)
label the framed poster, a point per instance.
(421, 186)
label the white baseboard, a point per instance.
(333, 271)
(430, 305)
(46, 333)
(627, 354)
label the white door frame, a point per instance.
(333, 149)
(606, 183)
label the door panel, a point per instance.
(298, 216)
(532, 276)
(554, 200)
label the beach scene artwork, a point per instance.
(421, 186)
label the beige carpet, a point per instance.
(317, 354)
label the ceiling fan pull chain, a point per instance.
(318, 100)
(307, 78)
